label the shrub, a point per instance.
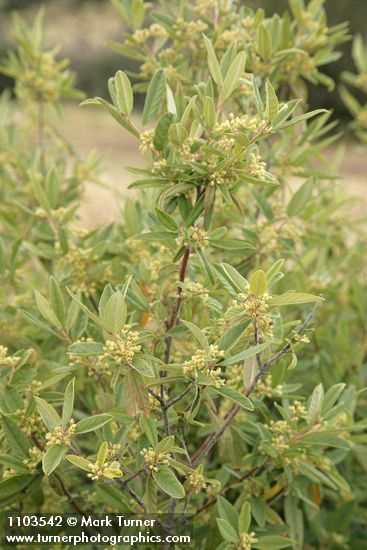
(176, 364)
(359, 82)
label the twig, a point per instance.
(179, 396)
(172, 322)
(212, 439)
(156, 396)
(132, 493)
(256, 341)
(70, 498)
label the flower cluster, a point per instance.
(197, 482)
(142, 35)
(29, 423)
(35, 456)
(61, 435)
(97, 367)
(155, 459)
(195, 236)
(123, 349)
(256, 308)
(233, 124)
(146, 141)
(204, 362)
(6, 360)
(246, 541)
(41, 81)
(108, 470)
(297, 410)
(195, 290)
(265, 388)
(256, 166)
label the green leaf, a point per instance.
(136, 397)
(324, 439)
(227, 531)
(48, 413)
(86, 348)
(272, 542)
(17, 486)
(244, 519)
(228, 58)
(105, 296)
(13, 462)
(56, 300)
(245, 354)
(155, 94)
(231, 244)
(45, 310)
(213, 64)
(292, 365)
(273, 271)
(168, 482)
(264, 42)
(209, 112)
(227, 511)
(15, 438)
(271, 105)
(166, 444)
(84, 308)
(161, 135)
(137, 11)
(258, 284)
(38, 322)
(79, 462)
(315, 475)
(177, 133)
(92, 423)
(199, 335)
(149, 428)
(259, 510)
(142, 366)
(234, 396)
(115, 113)
(237, 281)
(301, 198)
(53, 457)
(291, 298)
(315, 404)
(102, 454)
(156, 236)
(235, 72)
(72, 315)
(331, 397)
(68, 406)
(207, 267)
(301, 118)
(115, 313)
(124, 93)
(166, 220)
(171, 104)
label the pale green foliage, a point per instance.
(358, 81)
(174, 359)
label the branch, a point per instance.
(213, 438)
(173, 321)
(132, 493)
(179, 396)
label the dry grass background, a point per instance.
(89, 128)
(81, 32)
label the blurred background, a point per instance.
(82, 28)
